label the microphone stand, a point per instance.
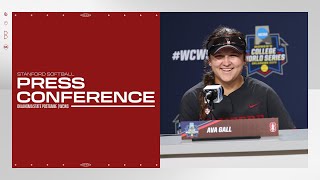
(211, 108)
(176, 122)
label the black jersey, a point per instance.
(254, 99)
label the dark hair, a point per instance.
(208, 76)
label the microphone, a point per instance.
(213, 94)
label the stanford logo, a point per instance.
(273, 127)
(85, 15)
(85, 164)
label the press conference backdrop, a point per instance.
(182, 36)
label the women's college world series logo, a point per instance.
(192, 130)
(266, 52)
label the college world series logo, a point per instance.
(266, 52)
(192, 130)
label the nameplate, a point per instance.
(230, 128)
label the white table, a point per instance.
(289, 149)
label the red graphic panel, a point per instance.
(86, 90)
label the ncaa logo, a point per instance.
(262, 33)
(273, 127)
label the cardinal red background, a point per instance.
(113, 52)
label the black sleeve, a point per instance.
(190, 107)
(277, 109)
